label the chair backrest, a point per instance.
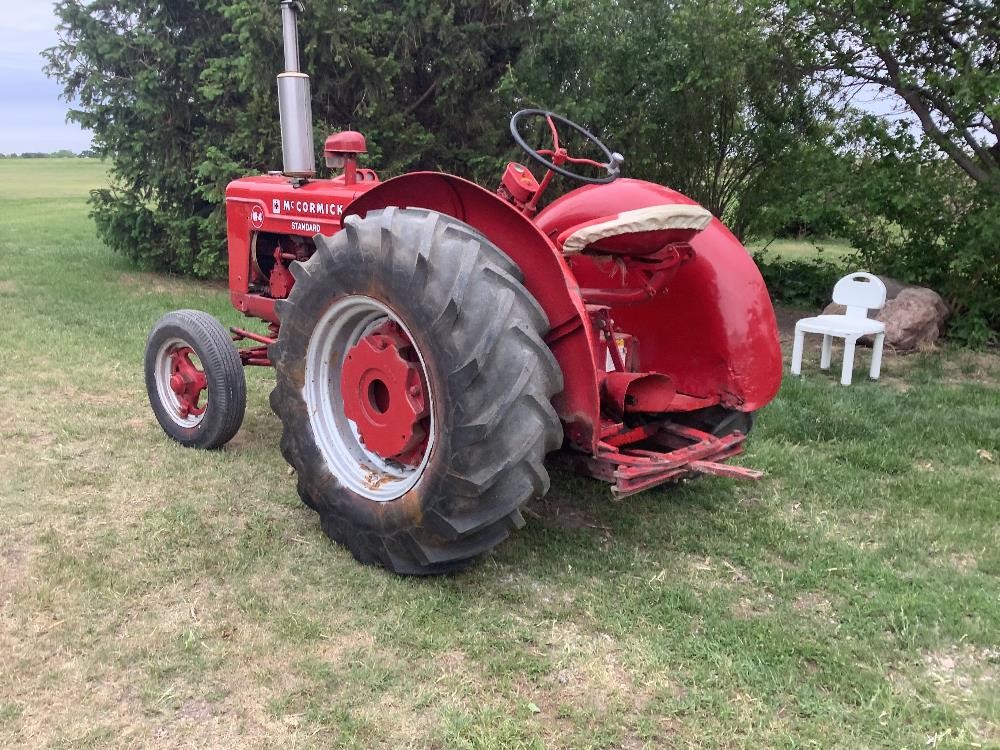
(859, 292)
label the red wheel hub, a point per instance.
(385, 394)
(186, 381)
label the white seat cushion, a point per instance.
(839, 324)
(654, 218)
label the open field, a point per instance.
(828, 249)
(153, 596)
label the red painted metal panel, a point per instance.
(276, 204)
(712, 330)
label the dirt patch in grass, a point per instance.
(7, 287)
(962, 561)
(963, 669)
(787, 317)
(196, 709)
(564, 516)
(746, 608)
(858, 528)
(543, 593)
(709, 573)
(77, 398)
(139, 423)
(588, 668)
(24, 432)
(966, 677)
(813, 603)
(895, 382)
(590, 681)
(13, 566)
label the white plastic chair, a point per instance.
(859, 292)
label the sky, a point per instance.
(34, 116)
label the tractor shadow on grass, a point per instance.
(579, 524)
(576, 524)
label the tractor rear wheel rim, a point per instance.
(385, 394)
(180, 383)
(349, 326)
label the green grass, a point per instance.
(789, 249)
(154, 596)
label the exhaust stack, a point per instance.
(294, 103)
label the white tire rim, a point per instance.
(162, 370)
(358, 469)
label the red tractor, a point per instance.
(435, 341)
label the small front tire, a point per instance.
(194, 379)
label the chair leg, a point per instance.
(877, 356)
(797, 352)
(824, 357)
(848, 369)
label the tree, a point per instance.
(915, 214)
(940, 57)
(920, 204)
(705, 96)
(181, 97)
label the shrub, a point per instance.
(799, 282)
(181, 99)
(912, 214)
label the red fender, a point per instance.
(546, 276)
(712, 330)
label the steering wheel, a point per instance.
(553, 158)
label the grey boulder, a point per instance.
(914, 316)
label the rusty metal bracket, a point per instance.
(662, 452)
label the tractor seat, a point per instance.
(639, 232)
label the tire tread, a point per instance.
(473, 293)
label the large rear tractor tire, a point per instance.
(194, 379)
(414, 388)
